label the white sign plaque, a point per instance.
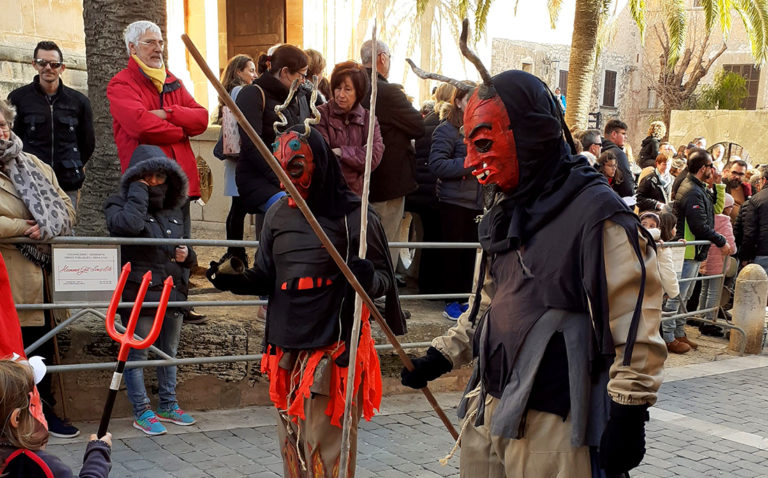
(84, 269)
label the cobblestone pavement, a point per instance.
(710, 421)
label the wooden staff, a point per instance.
(347, 423)
(302, 205)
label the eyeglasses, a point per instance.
(43, 63)
(153, 43)
(709, 165)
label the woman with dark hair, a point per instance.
(240, 72)
(344, 124)
(257, 185)
(459, 196)
(607, 166)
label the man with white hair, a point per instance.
(149, 105)
(400, 122)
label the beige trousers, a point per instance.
(311, 448)
(544, 451)
(391, 213)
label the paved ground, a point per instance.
(710, 421)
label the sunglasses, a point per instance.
(43, 63)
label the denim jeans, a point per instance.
(168, 342)
(762, 261)
(710, 293)
(676, 328)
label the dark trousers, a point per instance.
(29, 335)
(458, 265)
(235, 226)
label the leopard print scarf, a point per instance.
(39, 195)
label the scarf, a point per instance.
(157, 197)
(39, 195)
(157, 75)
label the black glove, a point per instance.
(220, 280)
(364, 272)
(425, 369)
(622, 445)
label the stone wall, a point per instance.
(26, 22)
(722, 125)
(547, 60)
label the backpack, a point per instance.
(31, 467)
(228, 145)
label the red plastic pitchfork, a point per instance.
(126, 340)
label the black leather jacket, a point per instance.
(59, 131)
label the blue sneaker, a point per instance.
(452, 311)
(149, 424)
(176, 415)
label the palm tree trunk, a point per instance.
(581, 68)
(105, 52)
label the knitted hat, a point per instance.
(728, 201)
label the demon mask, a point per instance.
(491, 151)
(295, 157)
(292, 148)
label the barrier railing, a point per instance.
(85, 308)
(700, 313)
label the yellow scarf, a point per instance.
(157, 75)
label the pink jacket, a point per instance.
(349, 132)
(714, 263)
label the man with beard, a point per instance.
(564, 374)
(733, 178)
(310, 312)
(695, 213)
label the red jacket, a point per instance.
(132, 95)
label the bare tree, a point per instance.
(676, 83)
(105, 53)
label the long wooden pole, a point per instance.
(346, 429)
(302, 205)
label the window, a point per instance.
(653, 99)
(751, 73)
(609, 88)
(563, 82)
(528, 67)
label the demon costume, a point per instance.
(310, 313)
(568, 352)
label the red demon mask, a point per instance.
(491, 151)
(295, 156)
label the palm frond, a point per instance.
(554, 7)
(421, 6)
(754, 14)
(724, 8)
(675, 15)
(481, 17)
(606, 32)
(637, 8)
(711, 11)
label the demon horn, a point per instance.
(435, 76)
(315, 118)
(489, 90)
(279, 108)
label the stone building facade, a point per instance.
(629, 67)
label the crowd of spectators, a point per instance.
(46, 132)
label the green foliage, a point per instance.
(727, 93)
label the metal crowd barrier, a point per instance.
(84, 308)
(699, 314)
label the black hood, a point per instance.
(148, 158)
(549, 174)
(329, 194)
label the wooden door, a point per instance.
(254, 25)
